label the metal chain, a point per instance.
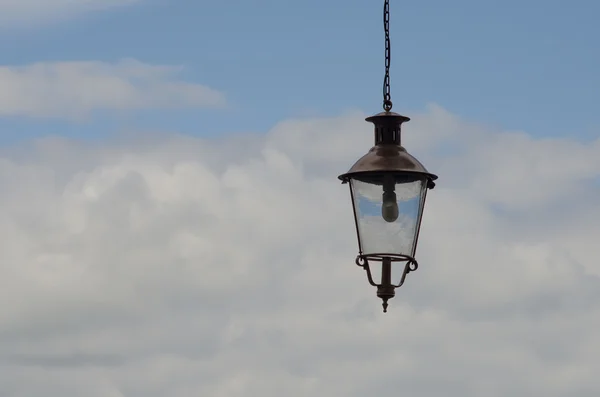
(387, 97)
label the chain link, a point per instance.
(387, 97)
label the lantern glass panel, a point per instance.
(388, 213)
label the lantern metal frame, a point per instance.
(388, 156)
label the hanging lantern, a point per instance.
(388, 188)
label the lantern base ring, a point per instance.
(386, 289)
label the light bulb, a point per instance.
(389, 207)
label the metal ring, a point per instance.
(361, 261)
(379, 256)
(413, 265)
(387, 105)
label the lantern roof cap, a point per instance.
(388, 155)
(387, 117)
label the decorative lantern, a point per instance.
(388, 187)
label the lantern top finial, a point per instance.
(387, 127)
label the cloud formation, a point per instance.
(73, 90)
(188, 267)
(16, 12)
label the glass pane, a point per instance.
(397, 234)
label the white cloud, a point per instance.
(16, 12)
(225, 268)
(74, 89)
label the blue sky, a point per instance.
(525, 65)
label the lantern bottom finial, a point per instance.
(385, 305)
(386, 292)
